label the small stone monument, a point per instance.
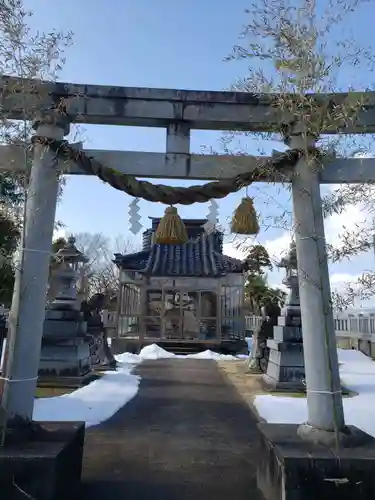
(65, 343)
(286, 367)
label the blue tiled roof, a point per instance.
(198, 258)
(194, 228)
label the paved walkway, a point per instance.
(186, 435)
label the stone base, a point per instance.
(290, 468)
(286, 365)
(47, 466)
(65, 359)
(271, 384)
(253, 371)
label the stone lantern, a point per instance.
(286, 367)
(289, 263)
(65, 343)
(69, 259)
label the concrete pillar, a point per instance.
(29, 300)
(324, 400)
(178, 139)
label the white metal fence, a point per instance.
(355, 331)
(358, 325)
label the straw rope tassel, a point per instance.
(171, 229)
(245, 219)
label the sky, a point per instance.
(169, 44)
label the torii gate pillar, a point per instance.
(28, 305)
(316, 458)
(324, 399)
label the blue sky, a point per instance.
(157, 44)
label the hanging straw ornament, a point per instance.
(171, 229)
(245, 219)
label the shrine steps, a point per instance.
(189, 347)
(183, 347)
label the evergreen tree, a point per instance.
(10, 200)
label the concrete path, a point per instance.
(186, 435)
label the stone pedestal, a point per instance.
(46, 465)
(65, 346)
(286, 366)
(290, 468)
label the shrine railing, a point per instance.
(356, 325)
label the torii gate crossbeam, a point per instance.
(148, 107)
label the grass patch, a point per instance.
(286, 394)
(302, 394)
(50, 392)
(63, 385)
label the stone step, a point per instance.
(179, 348)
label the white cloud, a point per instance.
(338, 278)
(60, 233)
(334, 226)
(348, 220)
(339, 281)
(230, 250)
(279, 246)
(281, 286)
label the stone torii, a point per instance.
(178, 111)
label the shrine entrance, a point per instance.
(181, 313)
(184, 310)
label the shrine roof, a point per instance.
(189, 223)
(198, 258)
(195, 222)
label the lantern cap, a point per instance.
(70, 253)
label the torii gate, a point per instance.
(179, 111)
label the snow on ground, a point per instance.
(95, 402)
(357, 373)
(99, 400)
(102, 398)
(153, 351)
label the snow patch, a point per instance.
(210, 355)
(357, 373)
(153, 351)
(128, 357)
(93, 403)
